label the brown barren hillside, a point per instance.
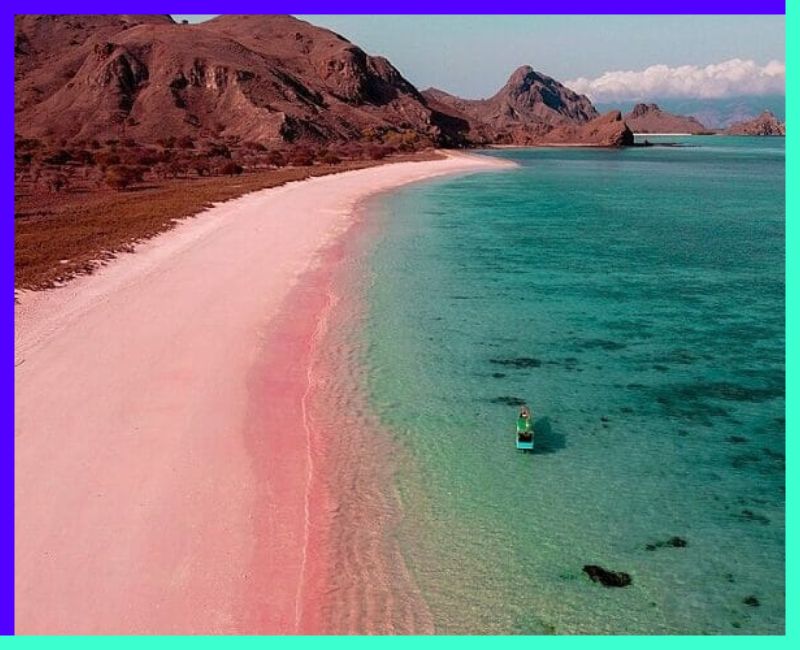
(267, 79)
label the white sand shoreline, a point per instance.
(38, 312)
(134, 489)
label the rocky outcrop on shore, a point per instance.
(608, 130)
(649, 118)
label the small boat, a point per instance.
(525, 443)
(524, 433)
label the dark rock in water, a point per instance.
(743, 461)
(605, 577)
(683, 357)
(675, 542)
(737, 440)
(603, 344)
(752, 601)
(749, 515)
(519, 362)
(677, 403)
(498, 375)
(724, 390)
(508, 401)
(773, 455)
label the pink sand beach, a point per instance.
(173, 472)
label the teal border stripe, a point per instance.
(792, 277)
(417, 642)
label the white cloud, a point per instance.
(726, 79)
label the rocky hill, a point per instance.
(649, 118)
(261, 78)
(764, 124)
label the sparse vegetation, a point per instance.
(301, 157)
(121, 177)
(231, 168)
(276, 159)
(77, 203)
(330, 158)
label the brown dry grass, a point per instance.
(61, 235)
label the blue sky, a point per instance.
(472, 56)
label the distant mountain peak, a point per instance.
(523, 79)
(534, 96)
(642, 109)
(521, 75)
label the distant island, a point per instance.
(764, 124)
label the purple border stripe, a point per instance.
(7, 324)
(420, 7)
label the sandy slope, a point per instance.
(140, 504)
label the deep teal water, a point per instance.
(635, 300)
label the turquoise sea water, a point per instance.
(635, 300)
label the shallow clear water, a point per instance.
(635, 299)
